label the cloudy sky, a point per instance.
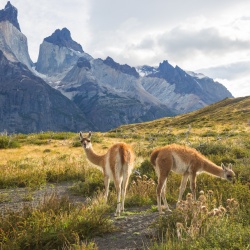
(212, 37)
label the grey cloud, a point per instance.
(109, 14)
(231, 71)
(183, 43)
(245, 18)
(145, 44)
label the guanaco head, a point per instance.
(228, 172)
(85, 141)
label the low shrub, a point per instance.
(142, 191)
(8, 142)
(91, 184)
(146, 168)
(56, 223)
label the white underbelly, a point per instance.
(179, 166)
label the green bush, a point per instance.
(8, 142)
(212, 149)
(146, 168)
(54, 224)
(91, 184)
(76, 144)
(142, 191)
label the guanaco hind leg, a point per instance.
(163, 195)
(183, 186)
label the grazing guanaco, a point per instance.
(116, 164)
(186, 161)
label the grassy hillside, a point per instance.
(228, 112)
(220, 131)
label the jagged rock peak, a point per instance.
(165, 66)
(165, 71)
(62, 38)
(126, 69)
(9, 13)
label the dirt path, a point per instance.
(16, 198)
(133, 227)
(133, 231)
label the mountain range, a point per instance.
(69, 90)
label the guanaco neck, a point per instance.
(212, 169)
(93, 157)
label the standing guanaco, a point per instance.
(186, 161)
(116, 164)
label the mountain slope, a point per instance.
(12, 42)
(179, 90)
(28, 104)
(109, 97)
(230, 111)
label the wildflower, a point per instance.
(196, 204)
(179, 204)
(179, 227)
(235, 203)
(211, 213)
(217, 212)
(202, 198)
(214, 212)
(204, 209)
(210, 192)
(151, 181)
(222, 209)
(189, 197)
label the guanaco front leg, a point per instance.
(192, 179)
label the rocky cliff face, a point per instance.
(28, 104)
(12, 42)
(58, 53)
(181, 91)
(109, 97)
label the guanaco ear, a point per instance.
(223, 166)
(230, 166)
(90, 134)
(80, 134)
